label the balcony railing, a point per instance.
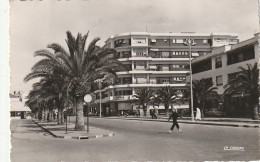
(161, 82)
(122, 97)
(159, 68)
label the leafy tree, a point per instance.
(143, 97)
(79, 67)
(246, 82)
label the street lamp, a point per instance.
(189, 43)
(87, 99)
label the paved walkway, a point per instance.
(234, 122)
(59, 131)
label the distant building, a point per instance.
(221, 65)
(17, 106)
(154, 60)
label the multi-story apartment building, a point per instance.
(221, 65)
(154, 60)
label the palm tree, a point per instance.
(79, 67)
(36, 101)
(246, 82)
(167, 95)
(203, 91)
(143, 97)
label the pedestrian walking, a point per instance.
(174, 117)
(198, 114)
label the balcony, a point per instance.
(147, 71)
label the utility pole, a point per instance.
(191, 87)
(99, 81)
(258, 44)
(191, 90)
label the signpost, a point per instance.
(87, 99)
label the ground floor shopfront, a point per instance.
(117, 108)
(238, 106)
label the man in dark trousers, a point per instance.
(174, 117)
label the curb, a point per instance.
(79, 137)
(214, 124)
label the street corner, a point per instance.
(58, 131)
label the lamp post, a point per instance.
(87, 99)
(191, 91)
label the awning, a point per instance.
(153, 40)
(19, 106)
(153, 67)
(195, 54)
(181, 106)
(153, 49)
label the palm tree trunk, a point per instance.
(60, 121)
(166, 110)
(145, 110)
(79, 125)
(51, 114)
(48, 115)
(44, 114)
(202, 110)
(255, 113)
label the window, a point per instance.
(139, 40)
(165, 81)
(165, 54)
(140, 52)
(240, 55)
(234, 40)
(195, 54)
(202, 66)
(174, 41)
(127, 92)
(179, 40)
(153, 80)
(153, 67)
(126, 54)
(232, 75)
(179, 79)
(141, 66)
(141, 80)
(180, 53)
(219, 80)
(165, 68)
(218, 62)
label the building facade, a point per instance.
(221, 65)
(154, 60)
(18, 109)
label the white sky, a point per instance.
(35, 24)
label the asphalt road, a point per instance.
(136, 141)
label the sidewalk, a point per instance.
(58, 131)
(233, 122)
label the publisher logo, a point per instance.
(234, 148)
